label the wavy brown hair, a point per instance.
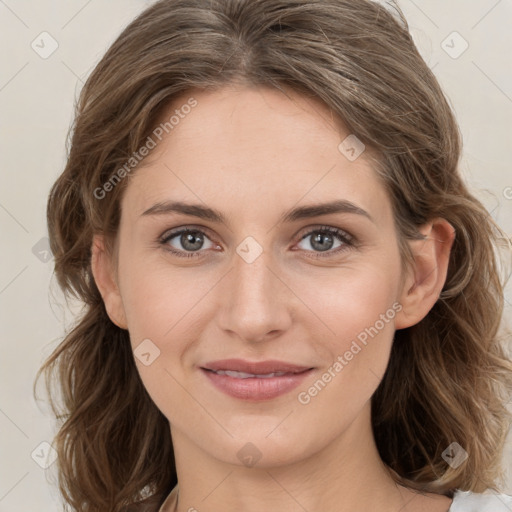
(449, 377)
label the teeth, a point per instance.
(243, 375)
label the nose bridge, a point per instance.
(255, 303)
(251, 278)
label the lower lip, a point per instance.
(254, 388)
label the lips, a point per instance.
(243, 375)
(255, 381)
(260, 368)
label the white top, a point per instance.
(466, 501)
(463, 501)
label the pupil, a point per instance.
(187, 240)
(320, 240)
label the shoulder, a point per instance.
(170, 503)
(467, 501)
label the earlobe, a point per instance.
(104, 278)
(427, 277)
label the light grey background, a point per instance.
(36, 100)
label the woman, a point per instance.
(292, 300)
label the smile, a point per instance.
(255, 387)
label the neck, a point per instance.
(346, 475)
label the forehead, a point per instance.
(240, 148)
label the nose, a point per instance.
(257, 304)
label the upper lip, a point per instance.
(255, 367)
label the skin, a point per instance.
(254, 153)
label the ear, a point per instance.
(426, 279)
(103, 272)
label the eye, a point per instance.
(190, 240)
(324, 239)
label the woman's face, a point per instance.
(263, 283)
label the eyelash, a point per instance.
(348, 240)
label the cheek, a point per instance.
(158, 298)
(357, 311)
(356, 355)
(160, 304)
(349, 300)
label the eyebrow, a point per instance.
(298, 213)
